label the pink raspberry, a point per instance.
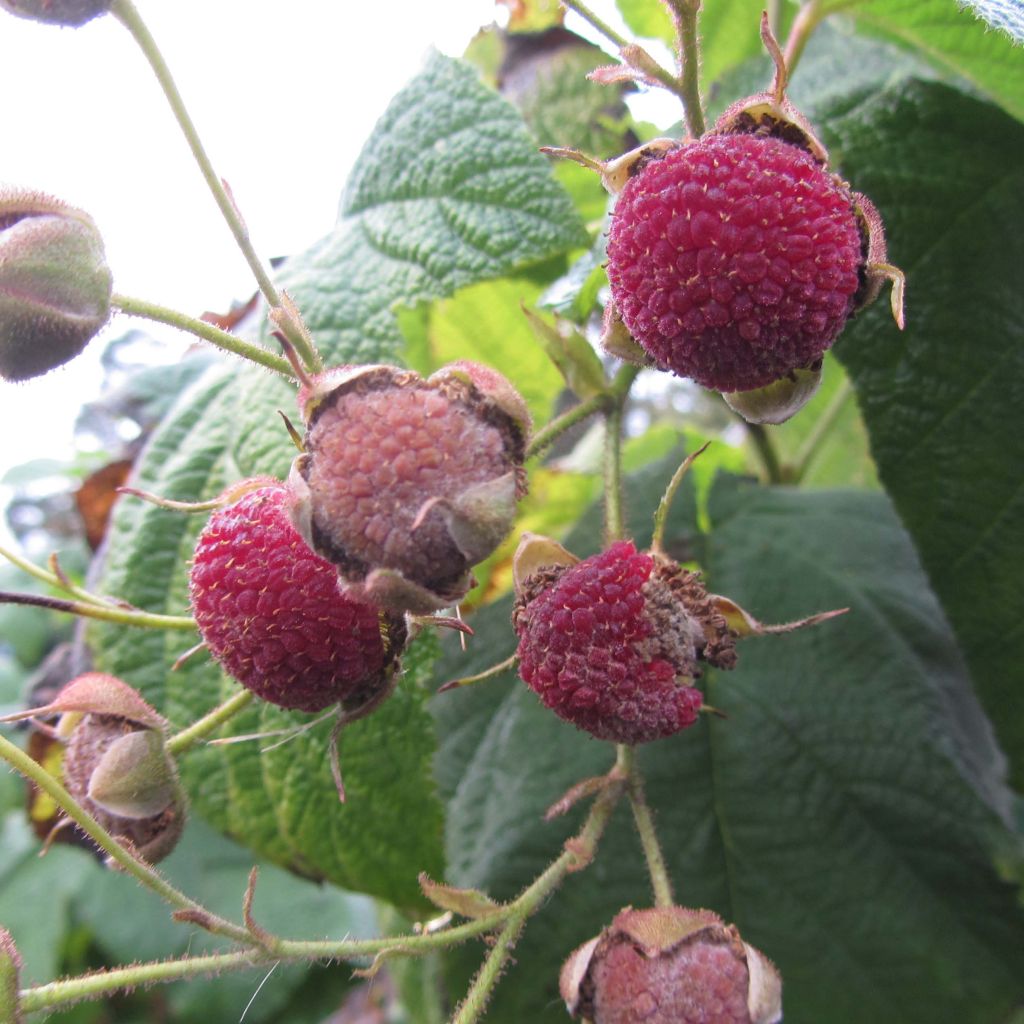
(671, 965)
(611, 644)
(407, 483)
(735, 259)
(271, 612)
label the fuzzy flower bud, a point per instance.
(55, 284)
(71, 13)
(670, 965)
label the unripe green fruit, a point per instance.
(55, 284)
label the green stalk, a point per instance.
(126, 13)
(614, 525)
(187, 738)
(686, 14)
(108, 983)
(656, 867)
(137, 868)
(103, 612)
(560, 424)
(207, 332)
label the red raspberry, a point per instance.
(271, 612)
(671, 965)
(407, 483)
(611, 644)
(735, 259)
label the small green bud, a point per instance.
(55, 284)
(72, 13)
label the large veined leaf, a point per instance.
(953, 38)
(939, 399)
(845, 815)
(448, 191)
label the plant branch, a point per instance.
(614, 526)
(685, 15)
(103, 612)
(656, 867)
(126, 13)
(487, 977)
(560, 424)
(207, 332)
(187, 738)
(107, 983)
(131, 864)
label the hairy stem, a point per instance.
(614, 522)
(132, 865)
(472, 1007)
(806, 21)
(560, 424)
(685, 15)
(187, 738)
(656, 867)
(126, 13)
(207, 332)
(108, 983)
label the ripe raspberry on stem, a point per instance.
(614, 643)
(270, 610)
(670, 965)
(407, 483)
(736, 258)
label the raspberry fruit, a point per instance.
(612, 643)
(406, 483)
(670, 965)
(271, 612)
(735, 259)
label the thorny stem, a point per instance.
(685, 14)
(126, 13)
(509, 919)
(656, 868)
(814, 440)
(187, 738)
(132, 865)
(560, 424)
(107, 983)
(207, 332)
(614, 523)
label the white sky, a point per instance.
(284, 95)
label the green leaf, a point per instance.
(844, 816)
(948, 36)
(936, 398)
(449, 191)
